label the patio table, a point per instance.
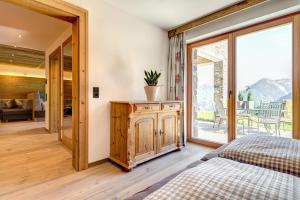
(243, 115)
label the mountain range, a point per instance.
(264, 90)
(267, 90)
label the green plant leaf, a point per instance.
(151, 77)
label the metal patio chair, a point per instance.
(220, 113)
(268, 114)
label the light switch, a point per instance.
(96, 92)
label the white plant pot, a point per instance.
(245, 105)
(151, 92)
(251, 104)
(239, 104)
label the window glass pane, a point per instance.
(209, 92)
(264, 82)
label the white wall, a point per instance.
(54, 45)
(120, 48)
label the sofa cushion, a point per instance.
(19, 103)
(10, 104)
(2, 103)
(27, 104)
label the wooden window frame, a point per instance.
(294, 19)
(79, 19)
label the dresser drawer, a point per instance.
(146, 107)
(171, 106)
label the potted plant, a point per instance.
(240, 99)
(151, 89)
(250, 100)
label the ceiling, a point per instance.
(17, 56)
(24, 28)
(23, 57)
(168, 14)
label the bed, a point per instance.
(144, 193)
(284, 149)
(276, 153)
(221, 178)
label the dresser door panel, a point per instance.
(145, 138)
(167, 127)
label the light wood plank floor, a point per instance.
(105, 181)
(29, 155)
(67, 132)
(13, 127)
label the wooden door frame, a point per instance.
(79, 19)
(69, 39)
(56, 52)
(293, 18)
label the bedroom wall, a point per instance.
(120, 48)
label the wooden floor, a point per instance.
(67, 132)
(12, 127)
(29, 155)
(105, 181)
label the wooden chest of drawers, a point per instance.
(141, 131)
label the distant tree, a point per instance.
(250, 96)
(240, 96)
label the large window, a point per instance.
(245, 82)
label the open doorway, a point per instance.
(78, 18)
(27, 140)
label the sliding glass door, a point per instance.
(264, 65)
(209, 91)
(245, 82)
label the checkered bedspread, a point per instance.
(225, 179)
(276, 153)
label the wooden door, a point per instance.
(167, 131)
(145, 136)
(55, 92)
(66, 94)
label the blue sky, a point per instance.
(264, 54)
